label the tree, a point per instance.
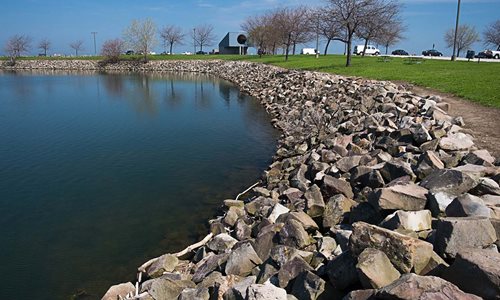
(203, 35)
(259, 30)
(44, 45)
(17, 45)
(292, 27)
(141, 36)
(391, 33)
(327, 27)
(171, 35)
(111, 49)
(466, 36)
(492, 34)
(77, 46)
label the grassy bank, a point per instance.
(469, 80)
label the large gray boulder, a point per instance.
(375, 269)
(476, 271)
(164, 288)
(452, 181)
(242, 260)
(293, 234)
(207, 265)
(336, 210)
(455, 234)
(164, 263)
(412, 286)
(119, 290)
(221, 243)
(308, 286)
(404, 196)
(265, 292)
(314, 201)
(333, 186)
(467, 205)
(408, 220)
(405, 253)
(456, 141)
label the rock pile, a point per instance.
(374, 192)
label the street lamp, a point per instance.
(453, 57)
(95, 48)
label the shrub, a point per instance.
(111, 50)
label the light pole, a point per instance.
(453, 57)
(95, 48)
(194, 40)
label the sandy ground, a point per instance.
(483, 122)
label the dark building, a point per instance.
(234, 43)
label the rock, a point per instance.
(375, 269)
(476, 271)
(486, 186)
(326, 246)
(119, 291)
(164, 263)
(221, 243)
(456, 141)
(405, 196)
(242, 231)
(276, 212)
(412, 286)
(242, 260)
(347, 163)
(315, 203)
(491, 200)
(262, 191)
(308, 286)
(265, 292)
(479, 157)
(405, 253)
(467, 206)
(428, 163)
(233, 214)
(290, 270)
(455, 234)
(194, 294)
(408, 220)
(333, 186)
(207, 265)
(165, 289)
(239, 290)
(361, 295)
(342, 272)
(439, 201)
(304, 219)
(293, 234)
(367, 176)
(452, 181)
(420, 134)
(299, 180)
(237, 203)
(267, 270)
(260, 206)
(336, 210)
(435, 266)
(395, 169)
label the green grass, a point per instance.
(469, 80)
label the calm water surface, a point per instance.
(100, 172)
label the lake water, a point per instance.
(101, 172)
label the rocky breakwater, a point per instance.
(374, 192)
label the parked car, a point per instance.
(186, 53)
(484, 54)
(201, 52)
(370, 50)
(431, 52)
(399, 52)
(308, 51)
(130, 52)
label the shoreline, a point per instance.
(367, 181)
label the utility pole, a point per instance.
(317, 35)
(453, 57)
(95, 48)
(194, 40)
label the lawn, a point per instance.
(469, 80)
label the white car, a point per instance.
(370, 50)
(308, 51)
(187, 53)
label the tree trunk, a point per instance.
(349, 54)
(294, 44)
(364, 49)
(386, 47)
(458, 52)
(288, 46)
(327, 44)
(171, 46)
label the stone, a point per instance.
(165, 289)
(239, 290)
(233, 214)
(299, 180)
(347, 163)
(119, 291)
(491, 200)
(290, 270)
(456, 141)
(194, 294)
(361, 295)
(262, 191)
(439, 201)
(341, 271)
(276, 212)
(265, 292)
(230, 203)
(486, 186)
(242, 260)
(293, 234)
(267, 270)
(300, 216)
(479, 157)
(260, 206)
(336, 210)
(467, 205)
(408, 220)
(263, 245)
(367, 176)
(420, 134)
(476, 271)
(395, 169)
(207, 265)
(435, 266)
(412, 286)
(405, 196)
(308, 286)
(221, 243)
(326, 246)
(375, 269)
(242, 231)
(452, 181)
(332, 186)
(164, 263)
(455, 234)
(427, 163)
(407, 254)
(314, 201)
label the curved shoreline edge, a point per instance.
(373, 192)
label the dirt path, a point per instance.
(483, 122)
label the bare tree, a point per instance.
(141, 36)
(301, 21)
(391, 33)
(77, 46)
(111, 49)
(171, 35)
(327, 27)
(492, 34)
(203, 35)
(17, 45)
(260, 31)
(44, 45)
(466, 36)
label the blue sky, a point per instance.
(65, 21)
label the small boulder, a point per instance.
(265, 291)
(314, 201)
(467, 205)
(333, 186)
(456, 141)
(341, 271)
(164, 263)
(308, 286)
(293, 234)
(200, 293)
(242, 260)
(408, 220)
(445, 180)
(164, 288)
(276, 212)
(221, 243)
(395, 169)
(375, 269)
(290, 270)
(207, 265)
(119, 291)
(403, 196)
(336, 210)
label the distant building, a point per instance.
(234, 43)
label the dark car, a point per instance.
(130, 52)
(431, 52)
(399, 52)
(201, 52)
(484, 54)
